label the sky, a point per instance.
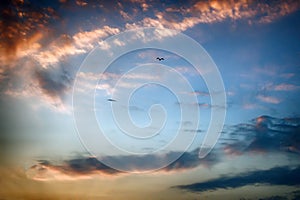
(87, 111)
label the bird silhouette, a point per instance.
(160, 59)
(112, 100)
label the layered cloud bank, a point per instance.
(90, 167)
(264, 134)
(275, 176)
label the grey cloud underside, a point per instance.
(90, 165)
(274, 176)
(55, 82)
(265, 134)
(78, 166)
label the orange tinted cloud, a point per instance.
(76, 169)
(42, 77)
(218, 11)
(19, 24)
(265, 12)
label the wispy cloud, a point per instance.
(279, 87)
(287, 75)
(250, 106)
(285, 87)
(66, 45)
(45, 87)
(268, 99)
(108, 80)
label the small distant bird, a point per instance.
(112, 100)
(160, 59)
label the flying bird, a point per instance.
(160, 59)
(112, 100)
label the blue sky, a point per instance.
(54, 101)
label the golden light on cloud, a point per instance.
(43, 45)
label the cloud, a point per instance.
(20, 22)
(143, 4)
(250, 106)
(81, 168)
(108, 80)
(188, 70)
(287, 75)
(43, 73)
(268, 99)
(41, 87)
(28, 33)
(277, 197)
(274, 176)
(31, 60)
(190, 160)
(88, 167)
(280, 87)
(87, 38)
(66, 45)
(285, 87)
(53, 82)
(216, 11)
(125, 15)
(202, 105)
(81, 3)
(278, 10)
(181, 17)
(265, 134)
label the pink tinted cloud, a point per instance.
(268, 99)
(285, 87)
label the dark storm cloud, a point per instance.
(274, 176)
(265, 134)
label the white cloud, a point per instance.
(79, 43)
